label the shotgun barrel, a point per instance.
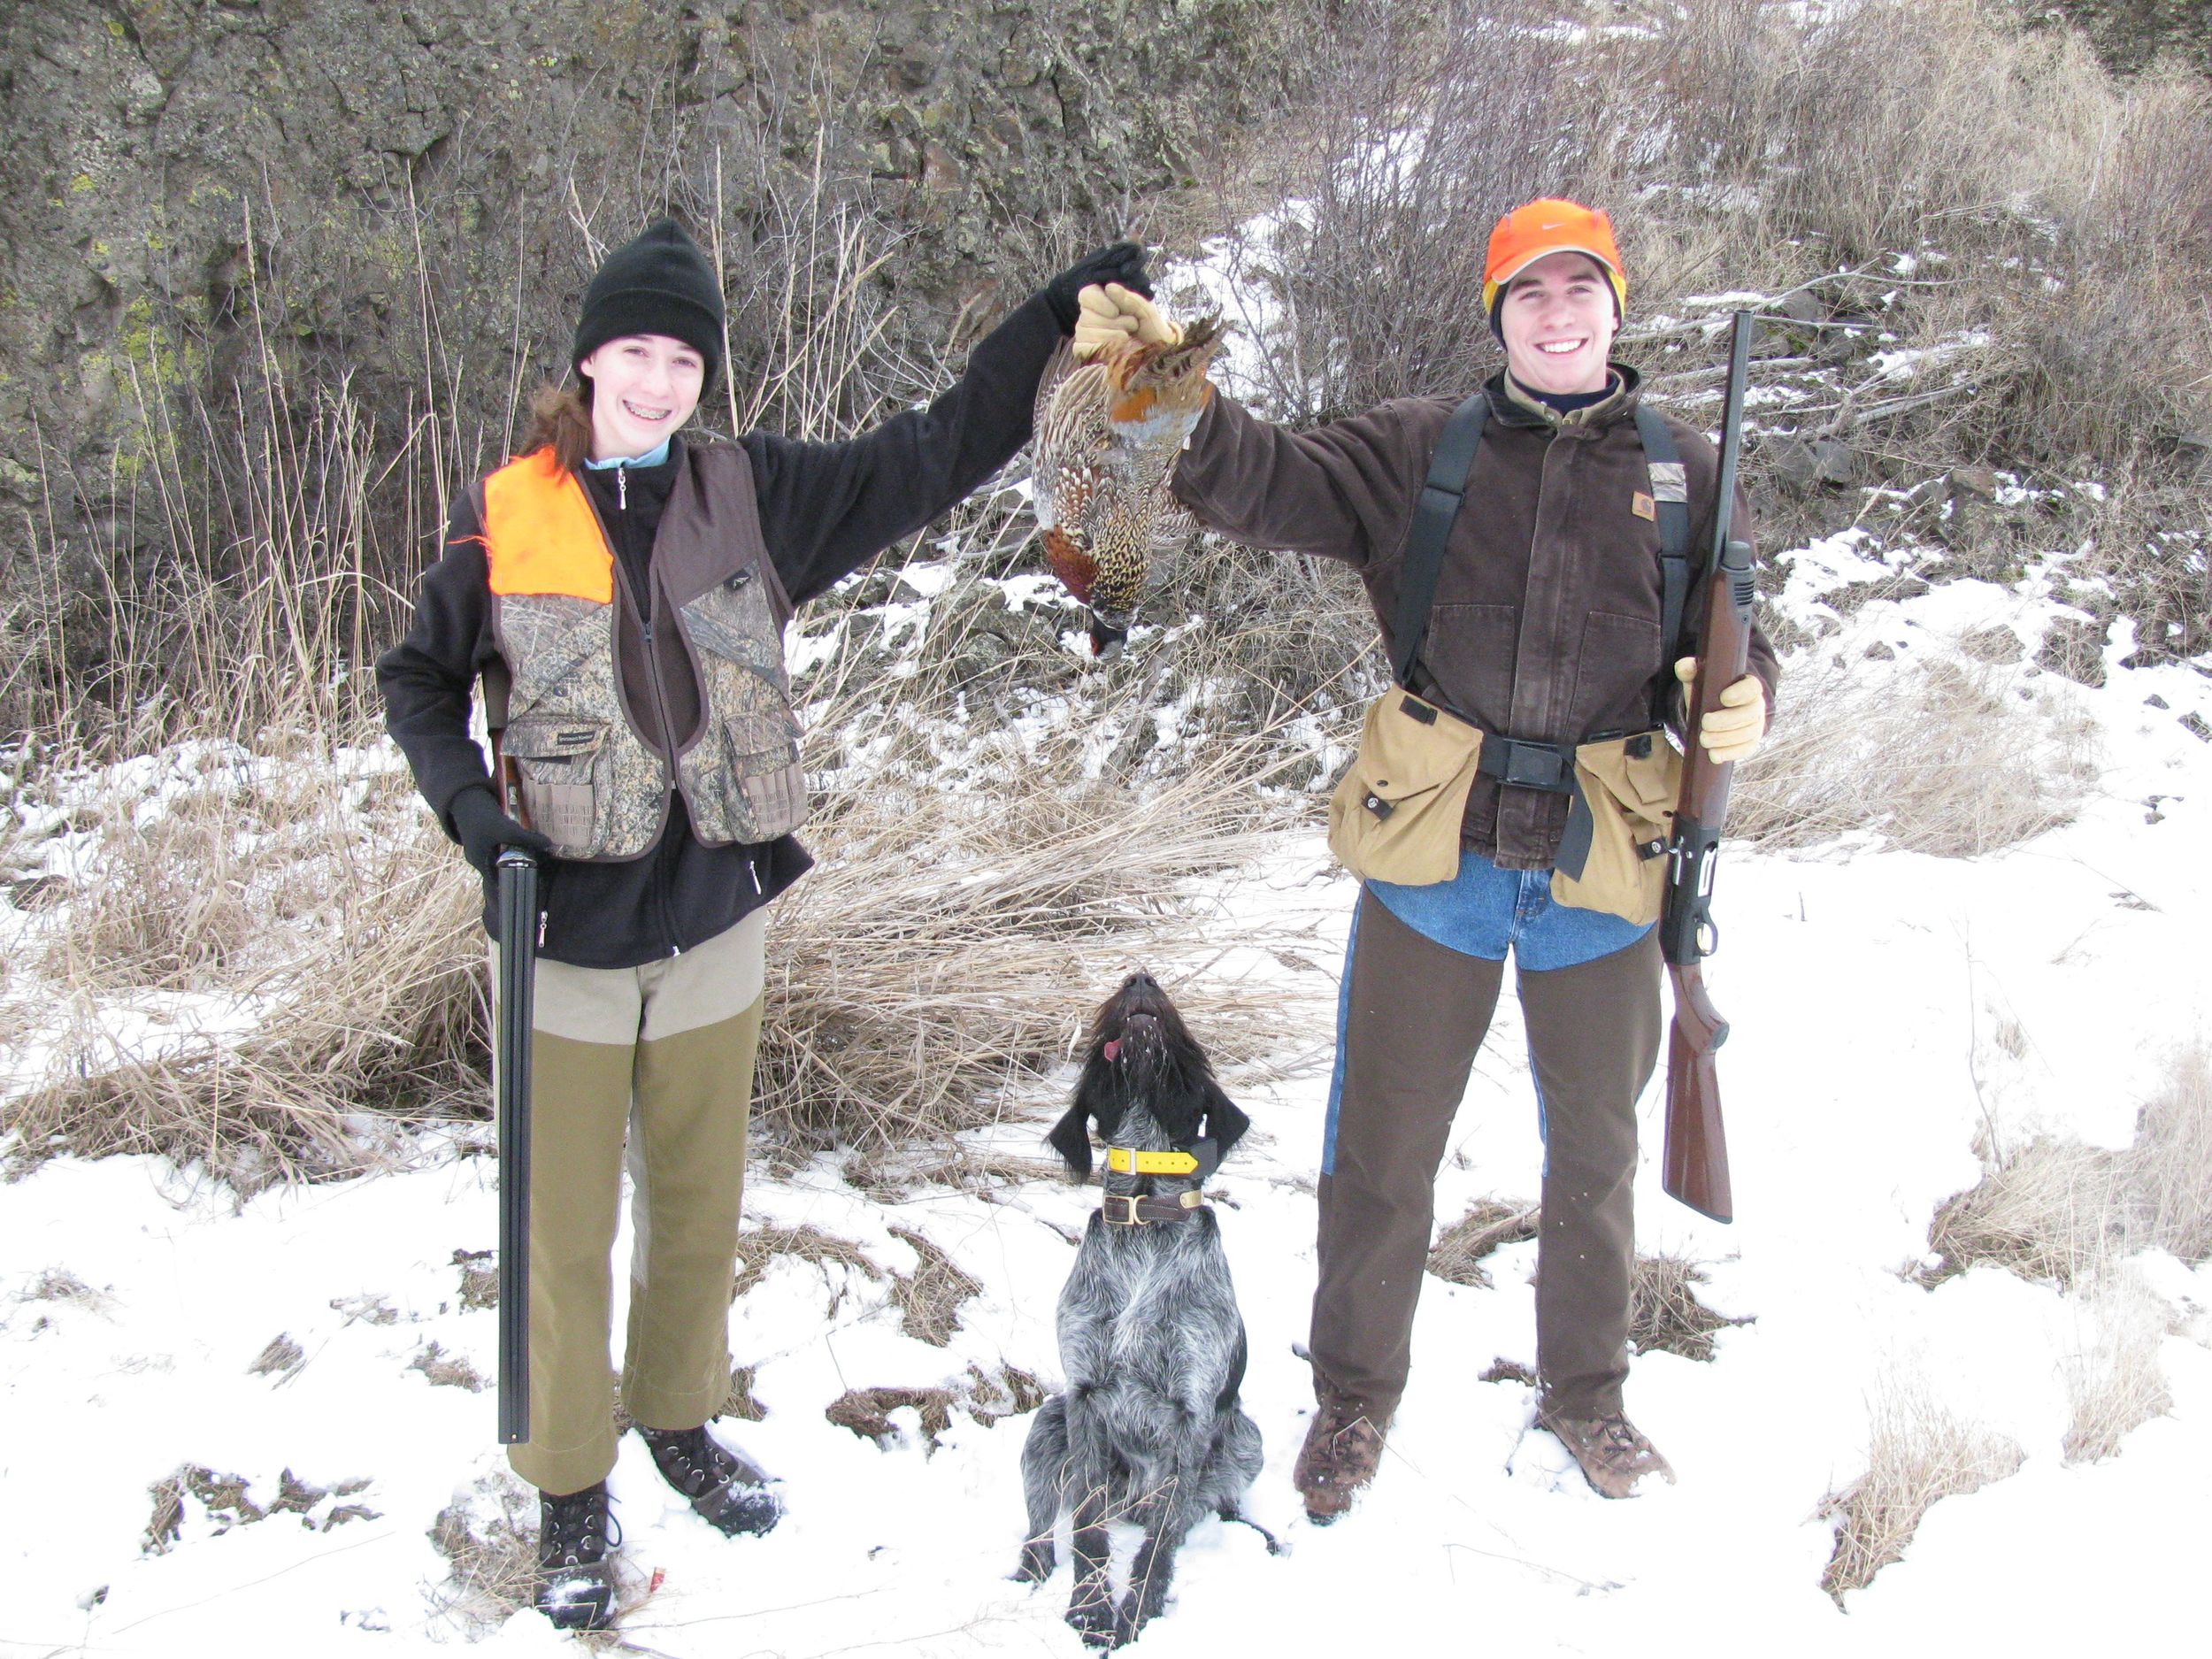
(1694, 1168)
(517, 904)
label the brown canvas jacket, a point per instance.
(1546, 622)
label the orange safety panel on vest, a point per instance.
(541, 534)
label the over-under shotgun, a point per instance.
(517, 917)
(1695, 1165)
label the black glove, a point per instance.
(1123, 263)
(483, 829)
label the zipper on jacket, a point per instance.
(622, 487)
(660, 702)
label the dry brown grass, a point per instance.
(1936, 760)
(2057, 1211)
(2048, 1210)
(1456, 1256)
(1664, 1311)
(984, 1396)
(2169, 1169)
(1917, 1454)
(756, 1247)
(2113, 1382)
(361, 1012)
(929, 1298)
(947, 945)
(489, 1535)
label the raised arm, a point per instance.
(826, 509)
(1343, 491)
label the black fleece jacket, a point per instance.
(826, 509)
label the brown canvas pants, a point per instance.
(1416, 1014)
(661, 1055)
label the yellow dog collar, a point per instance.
(1129, 1161)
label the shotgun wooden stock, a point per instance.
(1695, 1169)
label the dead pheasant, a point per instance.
(1107, 434)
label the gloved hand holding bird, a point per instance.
(1114, 408)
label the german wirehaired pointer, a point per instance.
(1149, 1430)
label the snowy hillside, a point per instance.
(301, 1369)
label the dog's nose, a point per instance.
(1145, 980)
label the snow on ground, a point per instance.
(1866, 989)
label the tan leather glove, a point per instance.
(1734, 730)
(1110, 312)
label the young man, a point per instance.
(1546, 628)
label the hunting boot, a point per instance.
(1343, 1449)
(575, 1587)
(1612, 1454)
(729, 1491)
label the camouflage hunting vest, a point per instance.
(602, 718)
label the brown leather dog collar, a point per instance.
(1135, 1210)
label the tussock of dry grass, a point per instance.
(2113, 1381)
(983, 1395)
(1665, 1312)
(756, 1247)
(491, 1536)
(1918, 1455)
(1935, 760)
(929, 1298)
(945, 946)
(2169, 1169)
(1456, 1255)
(2060, 1211)
(2047, 1210)
(367, 1014)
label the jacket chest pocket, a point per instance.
(564, 774)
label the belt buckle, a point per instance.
(1531, 766)
(1128, 1201)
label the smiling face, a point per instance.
(644, 387)
(1558, 322)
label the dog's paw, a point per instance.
(1094, 1621)
(1035, 1565)
(1128, 1621)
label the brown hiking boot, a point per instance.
(1343, 1448)
(1612, 1454)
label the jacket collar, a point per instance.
(1514, 407)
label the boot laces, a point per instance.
(691, 1460)
(578, 1529)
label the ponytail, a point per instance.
(561, 419)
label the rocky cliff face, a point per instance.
(199, 194)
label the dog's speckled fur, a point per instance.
(1149, 1430)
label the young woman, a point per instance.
(622, 592)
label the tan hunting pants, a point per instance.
(661, 1054)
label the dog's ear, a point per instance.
(1070, 1137)
(1225, 1122)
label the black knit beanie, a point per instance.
(658, 284)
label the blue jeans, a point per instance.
(1482, 909)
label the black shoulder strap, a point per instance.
(1671, 495)
(1432, 516)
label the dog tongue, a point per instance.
(1112, 1050)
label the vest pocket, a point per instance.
(565, 773)
(764, 749)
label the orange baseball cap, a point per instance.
(1549, 225)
